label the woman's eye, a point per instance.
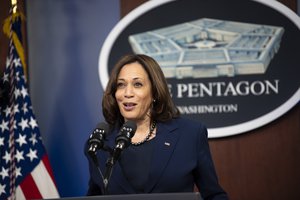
(120, 85)
(138, 84)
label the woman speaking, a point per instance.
(168, 153)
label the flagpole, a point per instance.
(14, 4)
(15, 15)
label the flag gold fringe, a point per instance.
(16, 41)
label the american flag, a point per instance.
(25, 171)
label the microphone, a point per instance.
(96, 140)
(123, 139)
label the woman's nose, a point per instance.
(128, 91)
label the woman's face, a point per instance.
(133, 92)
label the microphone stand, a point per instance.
(108, 171)
(122, 141)
(111, 161)
(95, 160)
(109, 166)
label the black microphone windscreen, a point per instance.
(131, 125)
(96, 139)
(104, 126)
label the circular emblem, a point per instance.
(231, 68)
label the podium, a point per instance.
(151, 196)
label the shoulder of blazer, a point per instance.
(182, 122)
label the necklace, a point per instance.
(147, 137)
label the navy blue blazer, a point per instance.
(181, 160)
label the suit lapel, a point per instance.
(165, 143)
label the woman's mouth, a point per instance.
(129, 106)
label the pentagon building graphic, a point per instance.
(210, 48)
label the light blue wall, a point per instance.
(64, 42)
